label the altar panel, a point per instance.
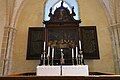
(48, 71)
(35, 43)
(78, 70)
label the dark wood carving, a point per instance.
(63, 31)
(89, 42)
(62, 14)
(35, 43)
(62, 37)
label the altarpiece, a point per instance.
(62, 31)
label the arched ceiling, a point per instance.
(111, 7)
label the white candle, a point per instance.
(72, 53)
(61, 50)
(52, 52)
(44, 45)
(80, 44)
(61, 53)
(48, 51)
(76, 52)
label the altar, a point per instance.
(62, 44)
(62, 53)
(48, 71)
(63, 70)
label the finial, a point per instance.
(73, 13)
(62, 3)
(50, 12)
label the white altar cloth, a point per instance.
(48, 70)
(64, 70)
(79, 70)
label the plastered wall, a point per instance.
(91, 13)
(2, 25)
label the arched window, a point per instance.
(56, 3)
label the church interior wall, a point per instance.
(2, 25)
(91, 14)
(31, 16)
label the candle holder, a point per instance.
(79, 63)
(62, 57)
(52, 55)
(73, 61)
(52, 60)
(72, 56)
(76, 60)
(48, 60)
(44, 57)
(76, 55)
(48, 55)
(81, 58)
(41, 59)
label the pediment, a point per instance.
(62, 14)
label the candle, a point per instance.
(61, 53)
(80, 44)
(76, 52)
(48, 51)
(52, 52)
(44, 45)
(72, 53)
(61, 50)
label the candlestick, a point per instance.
(44, 54)
(76, 52)
(44, 45)
(80, 44)
(52, 52)
(48, 51)
(61, 53)
(62, 59)
(72, 53)
(44, 58)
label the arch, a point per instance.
(105, 4)
(67, 3)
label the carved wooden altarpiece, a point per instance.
(62, 31)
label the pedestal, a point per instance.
(79, 70)
(48, 70)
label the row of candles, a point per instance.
(62, 50)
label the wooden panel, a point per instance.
(35, 43)
(88, 36)
(62, 37)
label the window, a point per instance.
(56, 3)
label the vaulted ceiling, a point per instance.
(111, 7)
